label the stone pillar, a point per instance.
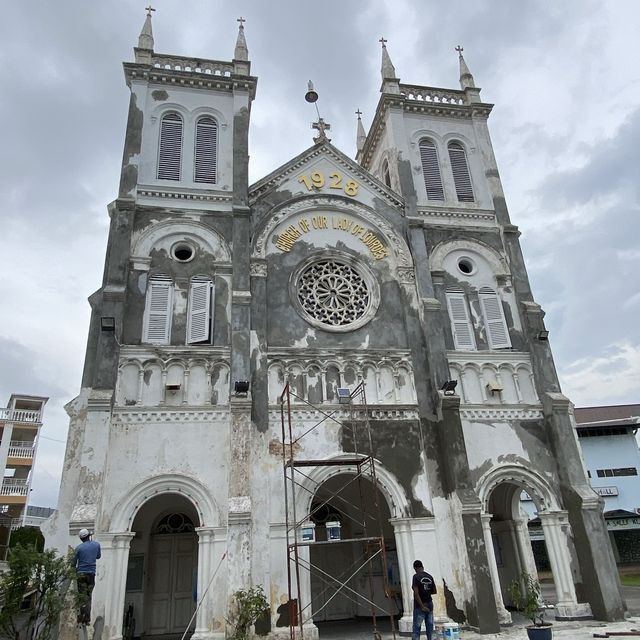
(523, 546)
(206, 584)
(555, 527)
(404, 545)
(111, 581)
(503, 615)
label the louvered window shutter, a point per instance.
(157, 314)
(431, 170)
(494, 321)
(170, 147)
(460, 170)
(206, 150)
(199, 315)
(461, 327)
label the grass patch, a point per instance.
(630, 581)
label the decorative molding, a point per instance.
(485, 215)
(258, 268)
(241, 297)
(489, 357)
(500, 413)
(376, 412)
(126, 415)
(406, 275)
(184, 195)
(431, 304)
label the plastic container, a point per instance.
(450, 631)
(333, 531)
(308, 532)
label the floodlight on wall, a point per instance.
(449, 387)
(344, 395)
(107, 323)
(241, 388)
(543, 334)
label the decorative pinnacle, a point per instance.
(388, 71)
(466, 79)
(361, 136)
(241, 52)
(145, 41)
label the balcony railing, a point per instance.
(14, 487)
(19, 415)
(18, 449)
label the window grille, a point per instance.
(431, 170)
(170, 147)
(206, 150)
(460, 170)
(158, 309)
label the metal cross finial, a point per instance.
(459, 49)
(241, 20)
(358, 113)
(149, 10)
(383, 41)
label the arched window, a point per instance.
(461, 325)
(156, 327)
(386, 177)
(170, 153)
(200, 314)
(460, 170)
(494, 322)
(206, 164)
(431, 170)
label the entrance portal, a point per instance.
(162, 569)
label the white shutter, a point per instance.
(494, 321)
(460, 170)
(206, 150)
(158, 308)
(199, 316)
(461, 327)
(170, 153)
(431, 170)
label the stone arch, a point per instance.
(126, 510)
(540, 490)
(496, 262)
(387, 484)
(205, 237)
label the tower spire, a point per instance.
(145, 41)
(361, 136)
(241, 52)
(466, 79)
(387, 69)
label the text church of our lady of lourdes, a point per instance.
(394, 273)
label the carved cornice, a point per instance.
(184, 195)
(258, 268)
(376, 412)
(126, 415)
(500, 413)
(427, 214)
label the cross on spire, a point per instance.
(459, 49)
(383, 41)
(241, 20)
(149, 9)
(358, 113)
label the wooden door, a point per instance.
(172, 569)
(336, 560)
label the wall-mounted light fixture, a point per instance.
(241, 388)
(543, 334)
(449, 387)
(107, 323)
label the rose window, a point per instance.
(333, 293)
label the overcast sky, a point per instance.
(566, 131)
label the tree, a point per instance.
(33, 593)
(27, 537)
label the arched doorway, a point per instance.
(162, 568)
(342, 584)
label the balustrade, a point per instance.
(193, 65)
(432, 94)
(14, 487)
(19, 449)
(19, 415)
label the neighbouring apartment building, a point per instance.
(20, 424)
(399, 272)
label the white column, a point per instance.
(556, 529)
(523, 542)
(206, 587)
(111, 580)
(503, 615)
(404, 547)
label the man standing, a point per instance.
(423, 587)
(87, 552)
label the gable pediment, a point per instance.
(324, 170)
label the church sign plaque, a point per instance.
(318, 222)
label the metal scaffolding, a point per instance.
(369, 543)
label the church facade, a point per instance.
(401, 270)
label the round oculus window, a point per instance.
(335, 294)
(182, 252)
(466, 266)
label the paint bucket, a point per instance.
(450, 631)
(333, 530)
(308, 531)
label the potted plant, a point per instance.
(250, 604)
(525, 595)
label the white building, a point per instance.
(397, 273)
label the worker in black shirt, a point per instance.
(423, 587)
